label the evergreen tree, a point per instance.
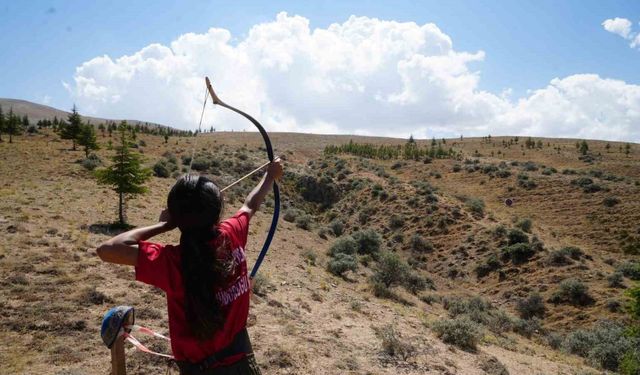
(126, 175)
(166, 137)
(13, 125)
(102, 129)
(25, 121)
(584, 147)
(87, 138)
(411, 140)
(627, 149)
(608, 147)
(72, 129)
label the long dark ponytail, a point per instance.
(195, 205)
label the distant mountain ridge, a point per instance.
(37, 112)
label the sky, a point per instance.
(393, 68)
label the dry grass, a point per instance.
(54, 290)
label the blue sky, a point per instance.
(526, 44)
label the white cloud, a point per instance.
(363, 76)
(620, 26)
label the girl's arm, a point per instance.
(123, 248)
(256, 197)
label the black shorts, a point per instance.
(245, 366)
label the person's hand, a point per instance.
(165, 217)
(274, 169)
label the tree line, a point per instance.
(408, 151)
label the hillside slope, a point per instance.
(304, 320)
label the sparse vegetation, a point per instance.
(572, 291)
(460, 331)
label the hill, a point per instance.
(37, 112)
(486, 287)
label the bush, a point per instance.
(610, 201)
(309, 256)
(368, 241)
(92, 162)
(518, 253)
(572, 291)
(304, 221)
(344, 245)
(262, 285)
(200, 163)
(630, 270)
(516, 236)
(341, 263)
(616, 280)
(337, 227)
(420, 244)
(380, 290)
(396, 221)
(532, 306)
(460, 331)
(290, 215)
(393, 344)
(525, 225)
(391, 270)
(527, 327)
(475, 206)
(415, 283)
(161, 169)
(503, 173)
(605, 345)
(490, 264)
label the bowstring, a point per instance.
(195, 141)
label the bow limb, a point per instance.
(276, 190)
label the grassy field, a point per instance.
(445, 219)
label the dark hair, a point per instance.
(195, 206)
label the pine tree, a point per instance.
(87, 138)
(627, 149)
(102, 129)
(13, 125)
(126, 175)
(72, 129)
(584, 147)
(608, 147)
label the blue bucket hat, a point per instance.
(113, 321)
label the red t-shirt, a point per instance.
(159, 265)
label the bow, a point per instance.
(276, 190)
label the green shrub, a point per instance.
(490, 264)
(341, 263)
(396, 221)
(290, 215)
(605, 345)
(391, 270)
(572, 291)
(630, 364)
(503, 173)
(460, 331)
(381, 291)
(582, 181)
(415, 283)
(616, 280)
(475, 206)
(518, 253)
(200, 163)
(527, 327)
(516, 236)
(532, 306)
(525, 225)
(309, 256)
(344, 245)
(92, 162)
(630, 270)
(634, 302)
(162, 169)
(304, 221)
(368, 241)
(393, 344)
(610, 201)
(337, 227)
(420, 244)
